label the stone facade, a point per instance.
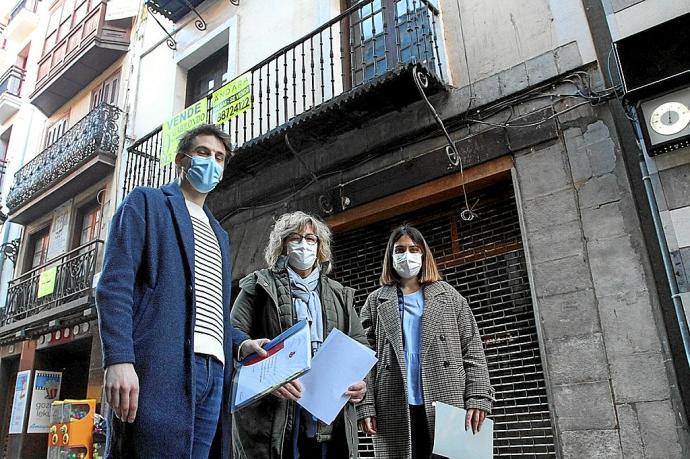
(606, 352)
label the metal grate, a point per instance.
(484, 260)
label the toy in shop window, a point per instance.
(71, 429)
(99, 436)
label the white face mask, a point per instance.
(407, 264)
(301, 255)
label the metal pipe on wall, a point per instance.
(665, 253)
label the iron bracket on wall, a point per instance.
(170, 41)
(199, 22)
(10, 250)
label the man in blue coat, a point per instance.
(163, 301)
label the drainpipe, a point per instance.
(645, 162)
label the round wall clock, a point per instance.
(670, 118)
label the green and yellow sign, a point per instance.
(232, 99)
(192, 116)
(46, 282)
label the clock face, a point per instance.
(670, 118)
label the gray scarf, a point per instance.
(307, 303)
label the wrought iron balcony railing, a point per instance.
(11, 80)
(362, 44)
(96, 133)
(73, 280)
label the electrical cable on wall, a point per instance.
(422, 82)
(580, 79)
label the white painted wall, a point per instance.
(254, 31)
(497, 35)
(627, 17)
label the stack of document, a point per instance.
(339, 363)
(289, 356)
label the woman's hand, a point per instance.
(368, 425)
(474, 419)
(289, 391)
(251, 346)
(356, 392)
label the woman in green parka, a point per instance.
(296, 286)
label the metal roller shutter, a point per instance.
(485, 261)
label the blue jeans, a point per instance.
(208, 376)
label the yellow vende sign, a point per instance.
(232, 99)
(192, 116)
(46, 282)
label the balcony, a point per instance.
(10, 86)
(22, 20)
(352, 69)
(80, 158)
(86, 51)
(72, 289)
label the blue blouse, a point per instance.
(411, 315)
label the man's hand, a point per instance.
(356, 392)
(122, 390)
(474, 419)
(253, 345)
(290, 391)
(368, 425)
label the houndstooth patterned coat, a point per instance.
(453, 365)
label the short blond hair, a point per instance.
(429, 272)
(295, 222)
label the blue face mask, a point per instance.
(203, 173)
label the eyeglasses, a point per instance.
(405, 248)
(311, 239)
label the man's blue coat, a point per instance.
(146, 307)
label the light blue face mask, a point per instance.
(203, 173)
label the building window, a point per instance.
(63, 17)
(38, 248)
(407, 30)
(107, 92)
(206, 76)
(51, 35)
(88, 224)
(56, 130)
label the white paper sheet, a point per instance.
(451, 439)
(339, 363)
(289, 356)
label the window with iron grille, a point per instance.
(485, 261)
(386, 33)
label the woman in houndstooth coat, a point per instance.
(429, 350)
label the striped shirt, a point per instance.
(208, 286)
